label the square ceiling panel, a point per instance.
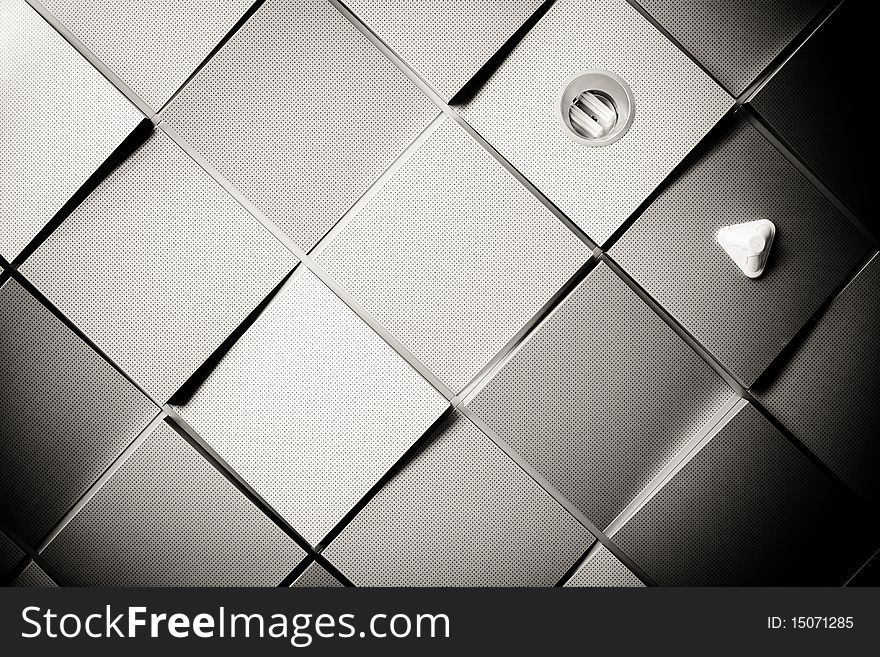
(520, 110)
(311, 407)
(602, 568)
(838, 57)
(452, 255)
(67, 414)
(302, 133)
(461, 513)
(673, 252)
(446, 41)
(316, 576)
(748, 510)
(601, 397)
(734, 40)
(166, 517)
(827, 391)
(152, 46)
(158, 266)
(10, 556)
(59, 120)
(34, 577)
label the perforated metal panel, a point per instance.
(598, 188)
(66, 415)
(461, 513)
(840, 54)
(168, 518)
(453, 256)
(311, 407)
(748, 510)
(672, 251)
(446, 42)
(59, 119)
(316, 576)
(603, 569)
(601, 397)
(10, 554)
(304, 134)
(152, 46)
(34, 577)
(735, 41)
(827, 393)
(158, 265)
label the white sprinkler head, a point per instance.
(748, 245)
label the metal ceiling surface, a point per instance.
(311, 407)
(598, 188)
(445, 42)
(308, 324)
(59, 120)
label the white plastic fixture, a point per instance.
(596, 107)
(748, 245)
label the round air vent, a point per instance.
(597, 108)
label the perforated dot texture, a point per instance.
(735, 41)
(10, 554)
(66, 415)
(34, 577)
(168, 518)
(152, 46)
(598, 188)
(59, 119)
(311, 407)
(747, 510)
(603, 569)
(158, 265)
(601, 397)
(303, 133)
(461, 513)
(672, 251)
(446, 42)
(316, 576)
(453, 256)
(827, 393)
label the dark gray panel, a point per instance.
(168, 518)
(316, 576)
(10, 555)
(838, 57)
(461, 513)
(671, 250)
(601, 397)
(827, 393)
(158, 266)
(67, 414)
(60, 120)
(749, 509)
(34, 577)
(602, 568)
(303, 134)
(735, 40)
(445, 42)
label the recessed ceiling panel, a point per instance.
(461, 513)
(34, 577)
(840, 55)
(672, 250)
(748, 510)
(601, 397)
(316, 576)
(169, 518)
(152, 46)
(602, 568)
(827, 393)
(735, 41)
(311, 407)
(67, 414)
(452, 255)
(59, 120)
(521, 110)
(305, 132)
(158, 266)
(445, 42)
